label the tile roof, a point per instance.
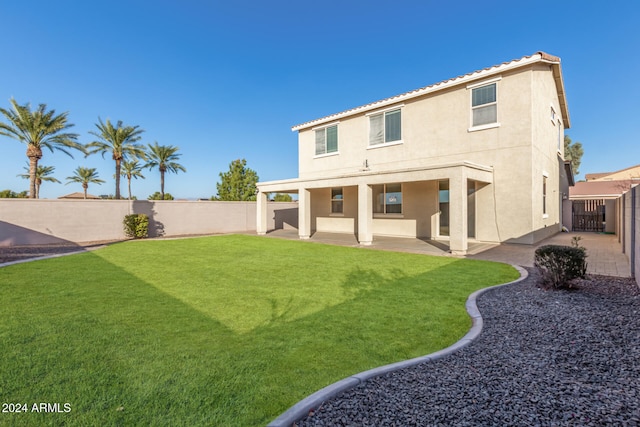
(536, 57)
(598, 189)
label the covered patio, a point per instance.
(366, 216)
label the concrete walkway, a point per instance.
(604, 253)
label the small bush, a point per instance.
(136, 225)
(559, 265)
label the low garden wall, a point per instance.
(44, 221)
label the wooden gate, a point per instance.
(588, 215)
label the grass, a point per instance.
(227, 330)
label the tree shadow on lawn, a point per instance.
(123, 352)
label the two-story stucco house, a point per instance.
(479, 156)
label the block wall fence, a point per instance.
(43, 221)
(630, 229)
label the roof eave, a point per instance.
(464, 79)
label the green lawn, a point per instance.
(226, 330)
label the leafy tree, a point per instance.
(8, 194)
(120, 141)
(131, 169)
(158, 196)
(42, 174)
(164, 157)
(282, 197)
(85, 176)
(573, 151)
(239, 183)
(37, 129)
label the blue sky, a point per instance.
(228, 80)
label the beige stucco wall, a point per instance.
(435, 130)
(42, 221)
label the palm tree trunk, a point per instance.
(85, 186)
(129, 186)
(118, 179)
(33, 166)
(161, 185)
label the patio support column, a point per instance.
(458, 232)
(261, 213)
(304, 213)
(365, 214)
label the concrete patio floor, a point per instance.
(604, 253)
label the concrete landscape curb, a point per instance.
(21, 261)
(315, 400)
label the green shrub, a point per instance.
(136, 225)
(559, 265)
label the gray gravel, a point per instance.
(551, 358)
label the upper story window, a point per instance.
(484, 105)
(327, 140)
(385, 127)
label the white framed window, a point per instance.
(553, 115)
(387, 199)
(385, 127)
(484, 105)
(327, 140)
(337, 200)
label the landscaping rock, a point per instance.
(543, 358)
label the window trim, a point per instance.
(386, 214)
(478, 85)
(383, 112)
(325, 127)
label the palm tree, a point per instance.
(131, 169)
(42, 174)
(164, 158)
(85, 176)
(120, 141)
(37, 129)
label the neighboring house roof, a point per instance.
(632, 172)
(598, 189)
(78, 195)
(541, 57)
(594, 176)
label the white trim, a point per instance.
(483, 127)
(545, 174)
(385, 144)
(328, 125)
(333, 153)
(545, 216)
(395, 107)
(484, 82)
